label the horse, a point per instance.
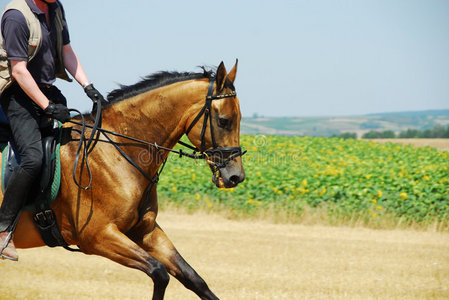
(116, 217)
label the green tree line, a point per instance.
(436, 132)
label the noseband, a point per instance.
(229, 152)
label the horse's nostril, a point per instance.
(234, 179)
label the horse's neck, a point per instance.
(158, 116)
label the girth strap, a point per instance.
(46, 223)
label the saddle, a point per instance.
(45, 190)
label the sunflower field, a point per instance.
(347, 179)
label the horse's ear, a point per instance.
(221, 76)
(233, 73)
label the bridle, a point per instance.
(226, 154)
(210, 155)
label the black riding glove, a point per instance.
(94, 94)
(57, 111)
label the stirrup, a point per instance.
(6, 245)
(6, 242)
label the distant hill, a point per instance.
(328, 126)
(441, 112)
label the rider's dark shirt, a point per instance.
(16, 33)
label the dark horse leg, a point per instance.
(159, 246)
(113, 244)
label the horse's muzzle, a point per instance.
(228, 177)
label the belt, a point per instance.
(45, 86)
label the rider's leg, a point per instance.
(24, 119)
(14, 198)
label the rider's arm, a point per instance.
(73, 65)
(23, 77)
(16, 34)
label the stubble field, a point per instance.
(251, 260)
(441, 144)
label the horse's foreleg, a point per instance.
(113, 244)
(159, 246)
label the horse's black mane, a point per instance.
(155, 81)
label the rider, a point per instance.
(35, 37)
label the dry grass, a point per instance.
(252, 260)
(440, 144)
(311, 216)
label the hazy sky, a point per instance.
(296, 58)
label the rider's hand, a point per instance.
(94, 94)
(57, 111)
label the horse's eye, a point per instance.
(224, 123)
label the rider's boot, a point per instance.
(14, 199)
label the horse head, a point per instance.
(215, 130)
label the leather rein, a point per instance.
(225, 154)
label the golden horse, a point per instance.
(116, 217)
